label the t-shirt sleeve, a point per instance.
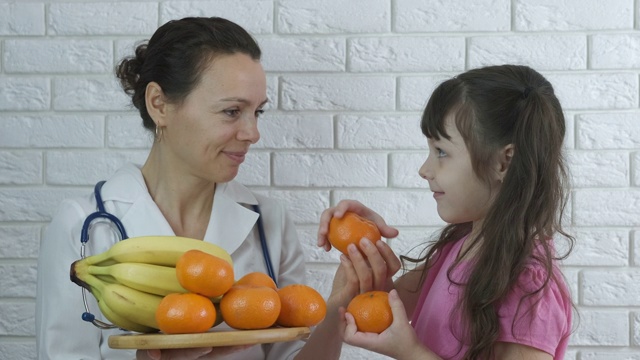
(542, 320)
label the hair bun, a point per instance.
(128, 71)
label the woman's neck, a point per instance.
(184, 199)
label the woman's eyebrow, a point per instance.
(244, 101)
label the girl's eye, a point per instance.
(259, 112)
(440, 153)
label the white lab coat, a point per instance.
(60, 331)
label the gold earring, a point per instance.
(158, 133)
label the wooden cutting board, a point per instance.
(208, 339)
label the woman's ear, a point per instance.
(504, 160)
(156, 103)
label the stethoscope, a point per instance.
(102, 213)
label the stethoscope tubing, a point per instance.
(101, 213)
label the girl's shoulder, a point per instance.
(538, 310)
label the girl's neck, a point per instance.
(184, 199)
(473, 238)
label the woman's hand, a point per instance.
(398, 341)
(205, 353)
(353, 206)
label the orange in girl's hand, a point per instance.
(302, 305)
(257, 279)
(250, 307)
(350, 229)
(371, 311)
(204, 274)
(185, 314)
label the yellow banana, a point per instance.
(157, 250)
(121, 321)
(154, 279)
(134, 305)
(120, 318)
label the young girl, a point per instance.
(489, 287)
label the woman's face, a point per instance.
(209, 134)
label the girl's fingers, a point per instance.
(392, 261)
(364, 274)
(351, 329)
(397, 307)
(387, 231)
(378, 265)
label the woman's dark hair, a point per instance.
(176, 55)
(493, 107)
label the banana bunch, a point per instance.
(130, 279)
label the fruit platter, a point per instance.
(213, 338)
(172, 292)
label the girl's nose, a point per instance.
(425, 171)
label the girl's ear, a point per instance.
(504, 160)
(156, 103)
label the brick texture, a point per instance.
(347, 81)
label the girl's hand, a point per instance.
(371, 269)
(189, 354)
(398, 341)
(354, 206)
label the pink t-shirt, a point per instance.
(545, 327)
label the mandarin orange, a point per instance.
(371, 311)
(250, 307)
(186, 313)
(204, 274)
(350, 229)
(302, 305)
(257, 279)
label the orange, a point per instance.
(250, 307)
(350, 229)
(257, 279)
(371, 311)
(301, 306)
(185, 314)
(204, 274)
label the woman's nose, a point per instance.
(249, 131)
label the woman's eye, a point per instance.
(259, 112)
(232, 112)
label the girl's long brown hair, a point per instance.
(493, 107)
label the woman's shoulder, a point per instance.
(77, 206)
(125, 185)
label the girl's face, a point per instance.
(460, 195)
(208, 135)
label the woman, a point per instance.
(200, 88)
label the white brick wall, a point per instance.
(346, 81)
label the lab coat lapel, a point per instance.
(230, 222)
(145, 218)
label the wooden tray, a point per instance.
(208, 339)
